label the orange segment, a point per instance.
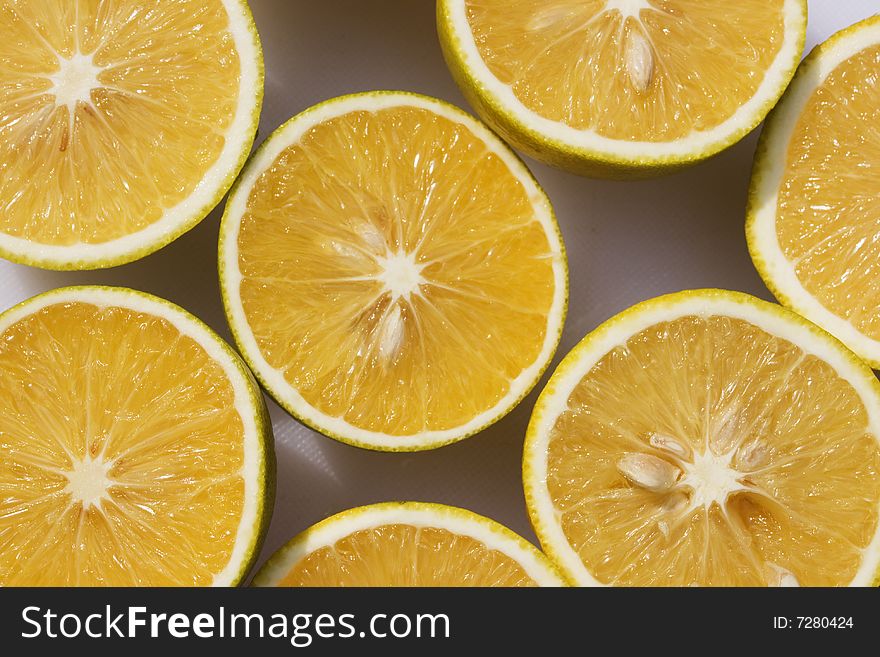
(640, 70)
(155, 88)
(829, 196)
(121, 452)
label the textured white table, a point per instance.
(626, 242)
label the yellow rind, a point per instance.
(265, 435)
(584, 347)
(262, 579)
(760, 168)
(80, 264)
(277, 396)
(581, 161)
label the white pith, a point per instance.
(88, 481)
(245, 403)
(399, 276)
(629, 8)
(566, 137)
(74, 81)
(714, 480)
(458, 521)
(711, 478)
(763, 239)
(238, 137)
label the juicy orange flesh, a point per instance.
(81, 384)
(404, 555)
(828, 209)
(798, 439)
(396, 182)
(168, 90)
(681, 66)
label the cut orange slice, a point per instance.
(622, 87)
(136, 448)
(392, 272)
(708, 438)
(408, 544)
(122, 123)
(815, 195)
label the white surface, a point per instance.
(626, 242)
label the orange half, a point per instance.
(135, 447)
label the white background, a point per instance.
(626, 242)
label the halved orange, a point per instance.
(814, 202)
(392, 272)
(622, 88)
(135, 447)
(708, 438)
(407, 544)
(122, 123)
